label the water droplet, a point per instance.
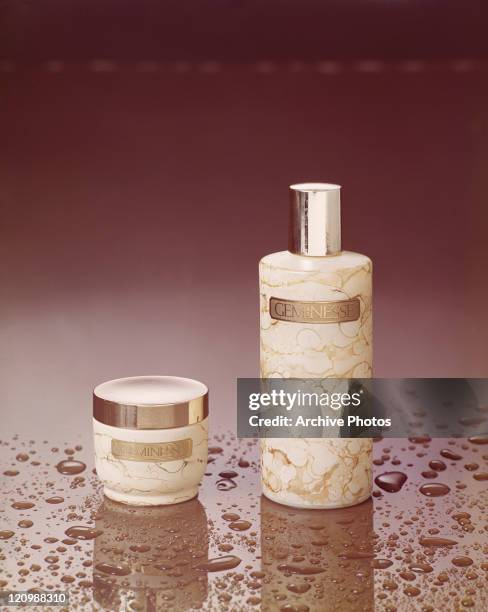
(436, 541)
(82, 533)
(243, 463)
(437, 465)
(67, 579)
(411, 591)
(447, 453)
(471, 467)
(22, 457)
(253, 601)
(298, 588)
(226, 485)
(462, 561)
(420, 439)
(56, 499)
(230, 516)
(478, 439)
(25, 524)
(430, 474)
(390, 585)
(467, 602)
(434, 489)
(421, 568)
(257, 574)
(391, 482)
(481, 476)
(381, 563)
(228, 474)
(215, 450)
(321, 542)
(11, 473)
(6, 534)
(22, 505)
(219, 564)
(70, 467)
(113, 570)
(141, 548)
(240, 525)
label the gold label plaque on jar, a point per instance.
(314, 312)
(157, 452)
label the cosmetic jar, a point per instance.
(151, 438)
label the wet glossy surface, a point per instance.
(231, 549)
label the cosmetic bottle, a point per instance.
(316, 322)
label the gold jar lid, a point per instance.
(150, 402)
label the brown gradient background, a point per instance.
(136, 201)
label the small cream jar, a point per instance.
(151, 438)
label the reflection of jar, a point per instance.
(145, 557)
(151, 437)
(317, 558)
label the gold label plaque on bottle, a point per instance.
(156, 452)
(297, 311)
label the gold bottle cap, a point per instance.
(150, 402)
(315, 219)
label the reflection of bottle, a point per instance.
(316, 322)
(317, 560)
(144, 558)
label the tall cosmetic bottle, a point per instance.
(316, 322)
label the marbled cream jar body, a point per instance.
(151, 438)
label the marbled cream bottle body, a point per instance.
(316, 472)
